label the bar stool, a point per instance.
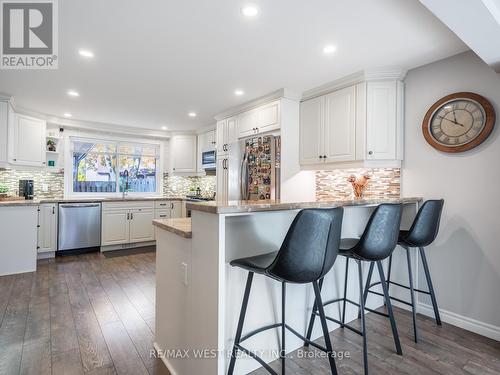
(376, 244)
(422, 233)
(307, 254)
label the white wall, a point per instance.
(465, 259)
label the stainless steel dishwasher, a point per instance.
(79, 226)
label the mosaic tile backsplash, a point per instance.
(384, 183)
(54, 181)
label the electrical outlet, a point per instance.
(184, 273)
(45, 188)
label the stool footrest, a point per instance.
(312, 343)
(400, 285)
(259, 330)
(377, 312)
(343, 325)
(257, 358)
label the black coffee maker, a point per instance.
(27, 189)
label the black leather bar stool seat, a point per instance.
(307, 254)
(376, 244)
(422, 233)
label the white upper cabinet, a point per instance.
(27, 141)
(247, 123)
(340, 126)
(262, 119)
(227, 134)
(268, 117)
(311, 131)
(384, 123)
(4, 121)
(183, 153)
(359, 123)
(328, 128)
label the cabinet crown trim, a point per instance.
(278, 94)
(354, 79)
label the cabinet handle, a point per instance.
(163, 215)
(53, 210)
(172, 206)
(321, 157)
(131, 216)
(324, 156)
(370, 152)
(128, 216)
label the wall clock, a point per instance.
(458, 122)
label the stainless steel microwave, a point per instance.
(208, 160)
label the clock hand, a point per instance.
(453, 122)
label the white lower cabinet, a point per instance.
(127, 222)
(47, 228)
(168, 209)
(141, 227)
(115, 227)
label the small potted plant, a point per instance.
(51, 145)
(3, 190)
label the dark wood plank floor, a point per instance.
(94, 314)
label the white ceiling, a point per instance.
(158, 60)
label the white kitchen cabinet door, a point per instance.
(311, 131)
(381, 120)
(232, 132)
(4, 123)
(247, 123)
(27, 141)
(206, 142)
(221, 135)
(340, 126)
(268, 117)
(183, 153)
(115, 227)
(222, 187)
(176, 209)
(47, 228)
(141, 225)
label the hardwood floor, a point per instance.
(94, 314)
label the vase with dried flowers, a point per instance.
(359, 184)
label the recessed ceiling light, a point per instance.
(249, 10)
(73, 93)
(192, 114)
(86, 53)
(329, 49)
(164, 128)
(238, 92)
(68, 115)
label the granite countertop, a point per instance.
(36, 202)
(179, 226)
(234, 207)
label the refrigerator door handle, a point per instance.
(244, 177)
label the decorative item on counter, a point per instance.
(359, 184)
(3, 190)
(51, 145)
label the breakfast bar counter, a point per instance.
(199, 294)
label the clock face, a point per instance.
(457, 122)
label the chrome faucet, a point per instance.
(125, 190)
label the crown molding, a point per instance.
(206, 128)
(278, 94)
(378, 74)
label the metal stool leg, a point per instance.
(431, 287)
(389, 308)
(367, 286)
(241, 320)
(313, 316)
(412, 295)
(362, 312)
(389, 273)
(326, 334)
(345, 288)
(283, 327)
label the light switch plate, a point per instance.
(184, 272)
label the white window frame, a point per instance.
(68, 166)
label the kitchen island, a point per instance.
(199, 294)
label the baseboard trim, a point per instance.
(469, 324)
(164, 360)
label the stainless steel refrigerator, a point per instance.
(254, 169)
